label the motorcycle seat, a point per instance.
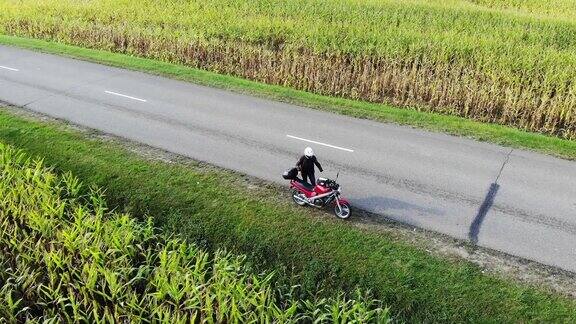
(306, 184)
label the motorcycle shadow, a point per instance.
(388, 205)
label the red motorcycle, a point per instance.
(325, 192)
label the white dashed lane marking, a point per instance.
(320, 143)
(8, 68)
(125, 96)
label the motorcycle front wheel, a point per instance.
(298, 198)
(343, 211)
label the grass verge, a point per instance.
(497, 134)
(208, 208)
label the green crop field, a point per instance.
(66, 258)
(505, 61)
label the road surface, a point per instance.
(514, 201)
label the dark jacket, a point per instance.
(306, 164)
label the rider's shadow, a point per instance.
(391, 204)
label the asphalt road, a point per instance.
(514, 201)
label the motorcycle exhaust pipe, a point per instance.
(304, 200)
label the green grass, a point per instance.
(211, 208)
(385, 113)
(67, 257)
(557, 9)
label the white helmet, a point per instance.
(308, 152)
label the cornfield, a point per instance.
(504, 61)
(66, 257)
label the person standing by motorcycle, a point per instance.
(306, 166)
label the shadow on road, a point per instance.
(389, 205)
(482, 212)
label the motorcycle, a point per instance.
(326, 192)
